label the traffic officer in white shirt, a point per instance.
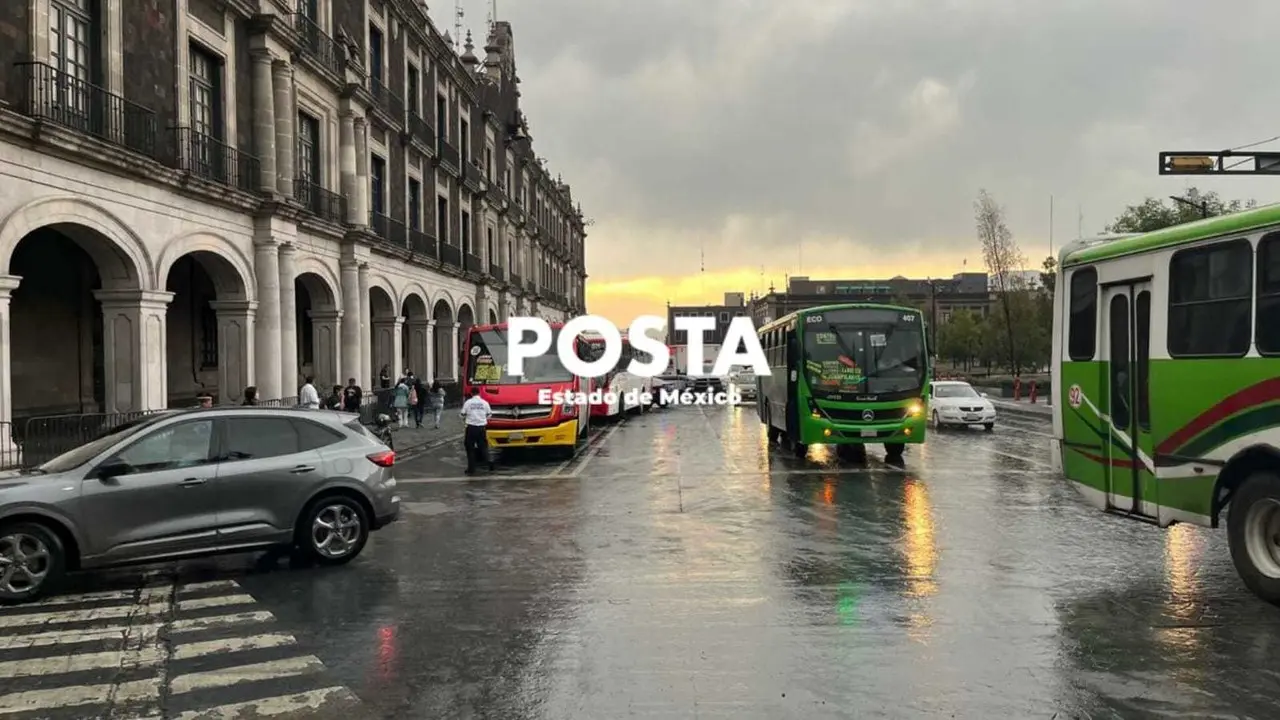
(476, 413)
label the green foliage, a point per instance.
(1155, 214)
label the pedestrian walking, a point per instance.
(476, 413)
(436, 394)
(308, 396)
(352, 397)
(421, 398)
(401, 403)
(384, 377)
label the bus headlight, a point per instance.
(915, 409)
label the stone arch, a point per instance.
(230, 270)
(466, 314)
(493, 317)
(123, 261)
(320, 281)
(442, 352)
(443, 296)
(415, 343)
(316, 314)
(415, 291)
(382, 303)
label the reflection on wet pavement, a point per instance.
(682, 568)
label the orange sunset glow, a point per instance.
(622, 299)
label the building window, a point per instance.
(506, 182)
(412, 93)
(415, 204)
(1082, 335)
(377, 176)
(205, 84)
(442, 117)
(1268, 339)
(492, 245)
(310, 10)
(308, 149)
(1211, 300)
(464, 140)
(488, 164)
(511, 255)
(375, 53)
(73, 34)
(442, 219)
(465, 227)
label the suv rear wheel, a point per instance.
(333, 531)
(32, 560)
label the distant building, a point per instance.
(734, 306)
(943, 296)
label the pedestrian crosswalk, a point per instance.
(173, 651)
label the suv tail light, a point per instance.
(383, 459)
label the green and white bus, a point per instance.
(846, 375)
(1166, 372)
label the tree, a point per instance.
(1049, 274)
(1003, 259)
(959, 338)
(1155, 214)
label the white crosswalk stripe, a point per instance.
(191, 652)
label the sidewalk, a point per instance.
(410, 438)
(1023, 407)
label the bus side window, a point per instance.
(1082, 335)
(1211, 300)
(1268, 324)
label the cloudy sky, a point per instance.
(860, 131)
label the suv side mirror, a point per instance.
(111, 469)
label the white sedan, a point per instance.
(957, 403)
(744, 381)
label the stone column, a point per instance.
(235, 347)
(326, 329)
(133, 347)
(419, 350)
(503, 308)
(452, 329)
(365, 329)
(361, 197)
(352, 347)
(432, 368)
(266, 324)
(264, 120)
(386, 343)
(288, 323)
(282, 80)
(349, 183)
(8, 283)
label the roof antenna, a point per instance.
(458, 14)
(493, 13)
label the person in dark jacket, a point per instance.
(422, 396)
(250, 395)
(352, 397)
(335, 399)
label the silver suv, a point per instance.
(197, 482)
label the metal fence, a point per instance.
(32, 441)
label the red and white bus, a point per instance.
(620, 389)
(519, 420)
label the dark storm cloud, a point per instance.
(878, 121)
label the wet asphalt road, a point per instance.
(683, 569)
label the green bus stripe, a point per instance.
(1238, 425)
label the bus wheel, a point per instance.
(894, 451)
(1253, 530)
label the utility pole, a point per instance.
(1202, 207)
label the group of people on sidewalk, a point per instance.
(414, 397)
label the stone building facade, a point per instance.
(201, 195)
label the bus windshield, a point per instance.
(487, 361)
(864, 351)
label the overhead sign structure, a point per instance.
(1219, 162)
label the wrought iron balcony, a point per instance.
(63, 99)
(448, 153)
(392, 231)
(495, 271)
(450, 255)
(497, 195)
(472, 176)
(422, 130)
(423, 243)
(474, 263)
(322, 203)
(326, 51)
(213, 160)
(516, 281)
(390, 102)
(516, 214)
(531, 287)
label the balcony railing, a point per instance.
(447, 152)
(496, 194)
(515, 281)
(472, 176)
(316, 43)
(66, 100)
(392, 231)
(387, 100)
(474, 263)
(209, 158)
(421, 243)
(421, 129)
(516, 213)
(495, 271)
(450, 255)
(322, 203)
(531, 287)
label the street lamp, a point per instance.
(1202, 207)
